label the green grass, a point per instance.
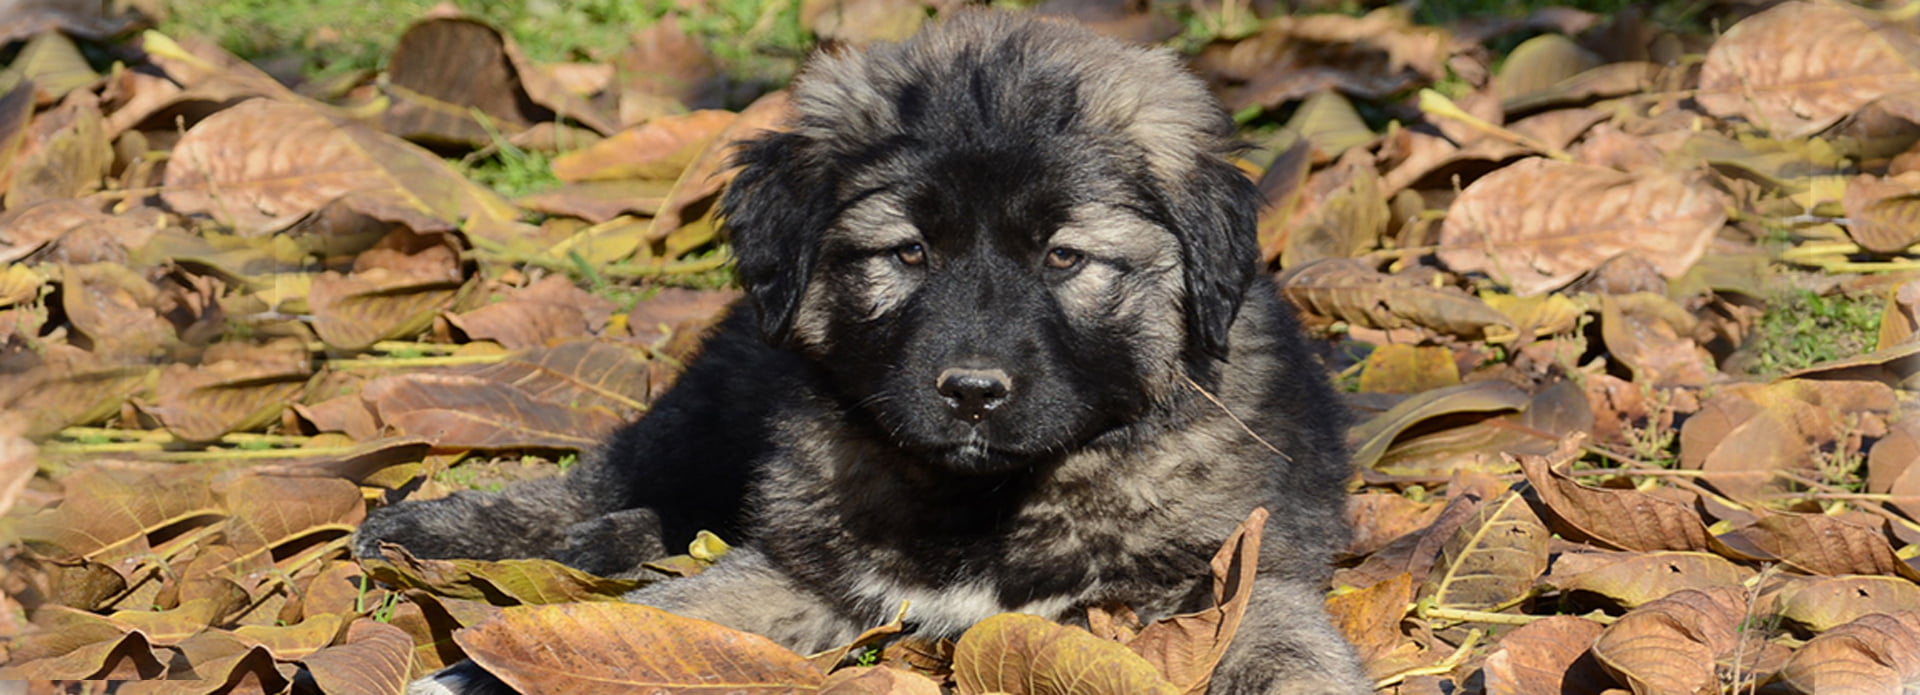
(758, 39)
(1801, 329)
(511, 171)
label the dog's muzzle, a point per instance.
(972, 393)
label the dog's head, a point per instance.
(1001, 237)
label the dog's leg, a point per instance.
(529, 520)
(1286, 645)
(744, 591)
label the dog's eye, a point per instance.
(911, 254)
(1063, 258)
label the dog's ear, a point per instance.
(774, 211)
(1215, 213)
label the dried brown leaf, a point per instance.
(1798, 67)
(79, 18)
(1330, 123)
(666, 71)
(18, 461)
(1639, 579)
(529, 581)
(217, 661)
(538, 649)
(299, 640)
(1491, 561)
(1822, 603)
(1341, 213)
(1669, 646)
(1370, 617)
(70, 387)
(1537, 224)
(262, 164)
(113, 309)
(860, 22)
(1281, 187)
(346, 414)
(236, 387)
(445, 69)
(1874, 655)
(599, 201)
(269, 511)
(1400, 368)
(1651, 335)
(54, 65)
(1883, 213)
(1892, 366)
(1370, 439)
(1415, 553)
(351, 312)
(460, 411)
(109, 510)
(1029, 655)
(1546, 656)
(830, 659)
(1611, 79)
(117, 655)
(711, 170)
(210, 73)
(1294, 56)
(1538, 64)
(1381, 517)
(1827, 545)
(1748, 432)
(16, 111)
(878, 680)
(1624, 519)
(586, 374)
(1184, 649)
(533, 316)
(373, 660)
(658, 149)
(66, 155)
(1349, 290)
(1891, 465)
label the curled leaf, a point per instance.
(1490, 562)
(1669, 646)
(1538, 223)
(537, 649)
(1029, 655)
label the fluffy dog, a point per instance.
(1006, 348)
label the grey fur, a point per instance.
(906, 226)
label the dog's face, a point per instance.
(1000, 243)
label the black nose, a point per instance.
(973, 392)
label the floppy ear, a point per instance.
(1215, 214)
(774, 211)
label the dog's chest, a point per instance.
(1048, 547)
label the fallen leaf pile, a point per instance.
(1626, 309)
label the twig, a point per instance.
(1461, 615)
(1236, 419)
(396, 362)
(1453, 661)
(1678, 478)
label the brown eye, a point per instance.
(911, 254)
(1062, 258)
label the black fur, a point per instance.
(907, 226)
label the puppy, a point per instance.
(1006, 347)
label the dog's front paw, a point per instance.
(441, 529)
(613, 544)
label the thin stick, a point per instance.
(1236, 419)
